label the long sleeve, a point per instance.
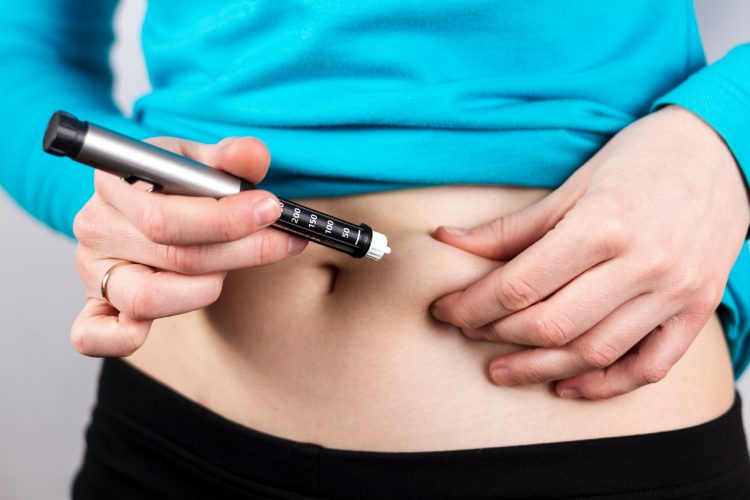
(735, 312)
(720, 95)
(53, 55)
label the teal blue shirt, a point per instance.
(353, 97)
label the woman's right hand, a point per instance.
(181, 246)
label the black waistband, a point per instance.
(632, 463)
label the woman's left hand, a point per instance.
(614, 274)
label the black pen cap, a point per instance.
(65, 134)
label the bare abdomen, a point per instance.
(342, 352)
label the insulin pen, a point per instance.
(168, 172)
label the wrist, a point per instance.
(690, 127)
(698, 133)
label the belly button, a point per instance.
(333, 274)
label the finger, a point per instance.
(505, 237)
(142, 293)
(184, 220)
(650, 363)
(571, 311)
(100, 330)
(598, 348)
(562, 254)
(262, 248)
(245, 157)
(102, 231)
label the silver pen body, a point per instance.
(167, 171)
(171, 173)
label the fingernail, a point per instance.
(296, 245)
(265, 212)
(456, 231)
(570, 394)
(502, 376)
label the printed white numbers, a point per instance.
(345, 233)
(313, 220)
(295, 216)
(329, 227)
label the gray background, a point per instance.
(46, 388)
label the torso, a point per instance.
(342, 352)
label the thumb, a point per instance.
(507, 236)
(245, 157)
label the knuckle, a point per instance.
(83, 224)
(533, 373)
(153, 223)
(195, 259)
(495, 331)
(498, 228)
(689, 282)
(464, 317)
(142, 303)
(229, 223)
(656, 263)
(554, 331)
(653, 373)
(513, 294)
(134, 339)
(609, 238)
(236, 220)
(185, 259)
(267, 248)
(599, 354)
(170, 256)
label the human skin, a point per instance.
(610, 277)
(343, 352)
(193, 242)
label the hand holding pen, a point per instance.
(180, 247)
(175, 250)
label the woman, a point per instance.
(256, 368)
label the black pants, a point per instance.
(148, 442)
